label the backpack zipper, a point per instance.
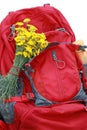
(59, 63)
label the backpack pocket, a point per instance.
(56, 76)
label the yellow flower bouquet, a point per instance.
(29, 44)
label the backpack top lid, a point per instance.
(47, 19)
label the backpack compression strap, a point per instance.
(23, 98)
(57, 43)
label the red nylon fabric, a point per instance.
(46, 18)
(3, 125)
(63, 117)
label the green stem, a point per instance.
(8, 83)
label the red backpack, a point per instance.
(54, 81)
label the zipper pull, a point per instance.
(63, 30)
(59, 63)
(54, 55)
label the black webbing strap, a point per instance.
(56, 43)
(82, 47)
